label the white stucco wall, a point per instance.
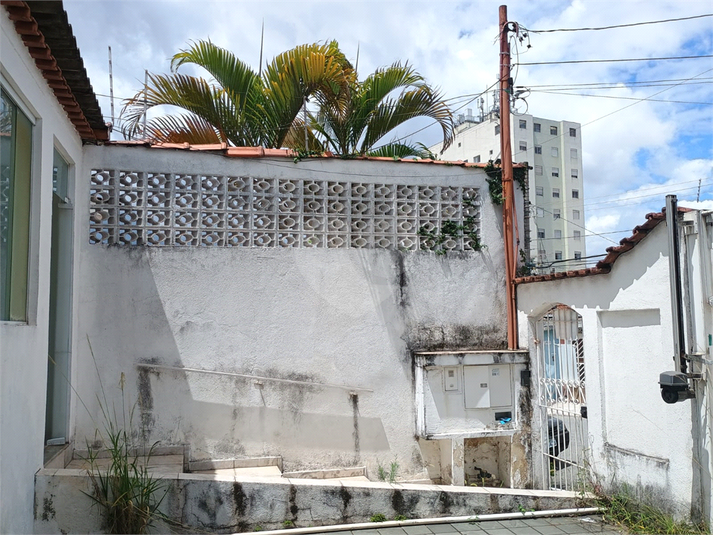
(635, 438)
(23, 346)
(342, 320)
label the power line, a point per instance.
(620, 25)
(571, 61)
(573, 223)
(615, 85)
(621, 98)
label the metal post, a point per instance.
(507, 177)
(674, 266)
(111, 88)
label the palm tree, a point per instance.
(237, 106)
(357, 119)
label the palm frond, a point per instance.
(182, 129)
(401, 150)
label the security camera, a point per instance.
(674, 387)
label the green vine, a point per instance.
(495, 181)
(435, 240)
(304, 154)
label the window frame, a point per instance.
(553, 130)
(537, 127)
(523, 124)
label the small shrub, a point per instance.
(378, 517)
(387, 475)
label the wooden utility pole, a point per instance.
(507, 177)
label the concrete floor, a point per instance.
(572, 525)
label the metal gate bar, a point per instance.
(562, 399)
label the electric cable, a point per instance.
(629, 25)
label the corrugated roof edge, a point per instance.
(75, 95)
(613, 253)
(260, 152)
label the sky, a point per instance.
(648, 134)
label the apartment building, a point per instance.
(553, 149)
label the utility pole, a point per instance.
(507, 177)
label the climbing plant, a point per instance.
(468, 229)
(495, 181)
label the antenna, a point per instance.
(146, 84)
(356, 66)
(262, 42)
(111, 90)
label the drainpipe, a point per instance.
(676, 385)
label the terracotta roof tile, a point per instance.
(45, 30)
(613, 252)
(260, 152)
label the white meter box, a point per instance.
(487, 386)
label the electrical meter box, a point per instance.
(487, 386)
(451, 377)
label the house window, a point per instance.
(537, 127)
(523, 145)
(577, 235)
(539, 191)
(538, 169)
(538, 149)
(572, 132)
(575, 174)
(540, 212)
(459, 144)
(555, 171)
(523, 123)
(497, 129)
(555, 152)
(573, 154)
(578, 255)
(491, 153)
(558, 234)
(558, 255)
(553, 130)
(542, 255)
(540, 233)
(575, 214)
(556, 213)
(476, 159)
(15, 169)
(555, 193)
(575, 194)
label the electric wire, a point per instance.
(629, 25)
(618, 60)
(621, 98)
(572, 223)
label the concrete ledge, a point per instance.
(222, 464)
(203, 502)
(327, 474)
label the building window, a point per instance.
(553, 130)
(555, 171)
(537, 127)
(575, 214)
(577, 235)
(578, 255)
(539, 191)
(542, 255)
(558, 255)
(573, 154)
(555, 152)
(523, 145)
(572, 132)
(575, 194)
(15, 160)
(558, 234)
(575, 174)
(556, 213)
(497, 129)
(555, 193)
(491, 153)
(523, 123)
(538, 169)
(476, 159)
(540, 212)
(540, 234)
(538, 149)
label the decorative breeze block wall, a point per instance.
(164, 209)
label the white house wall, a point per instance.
(635, 438)
(314, 345)
(23, 346)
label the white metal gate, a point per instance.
(561, 399)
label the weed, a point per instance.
(623, 509)
(387, 475)
(400, 518)
(378, 517)
(257, 528)
(288, 524)
(126, 492)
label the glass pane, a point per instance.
(15, 159)
(60, 176)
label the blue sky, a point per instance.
(633, 155)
